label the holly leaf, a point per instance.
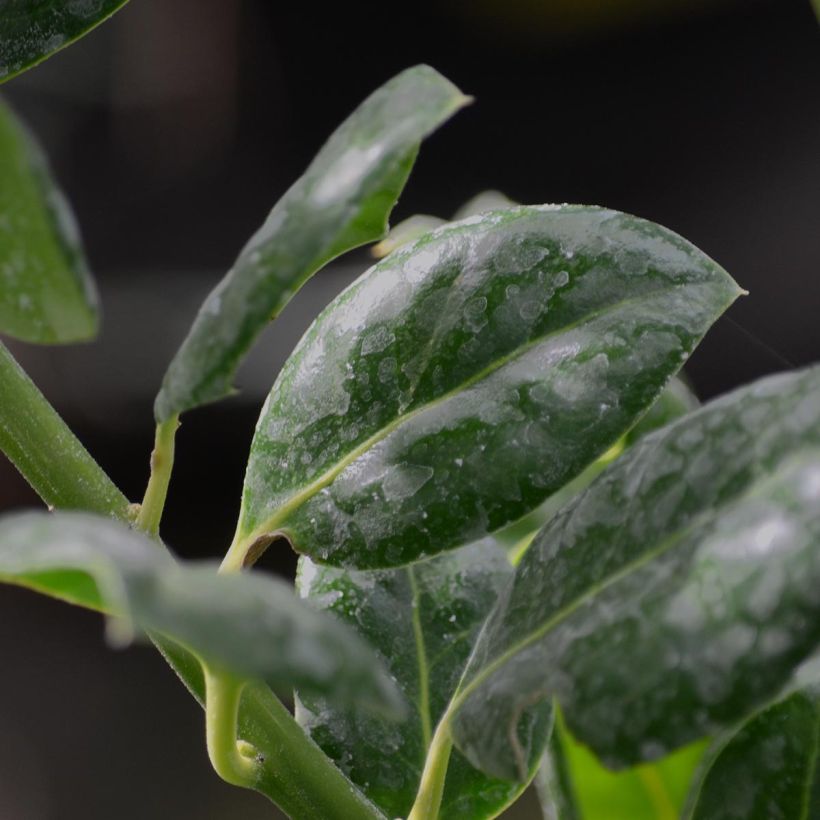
(342, 201)
(469, 376)
(670, 598)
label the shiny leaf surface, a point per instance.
(768, 768)
(467, 377)
(32, 30)
(671, 597)
(252, 626)
(340, 202)
(46, 292)
(422, 620)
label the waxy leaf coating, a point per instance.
(422, 620)
(252, 626)
(342, 201)
(670, 598)
(32, 30)
(769, 768)
(46, 292)
(467, 377)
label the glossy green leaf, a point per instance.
(675, 401)
(32, 30)
(422, 620)
(340, 202)
(670, 598)
(467, 377)
(252, 626)
(46, 292)
(769, 768)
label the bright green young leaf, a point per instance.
(670, 598)
(422, 620)
(553, 783)
(46, 292)
(406, 231)
(252, 626)
(342, 201)
(32, 30)
(769, 768)
(467, 377)
(482, 203)
(650, 791)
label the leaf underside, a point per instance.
(46, 292)
(671, 597)
(252, 626)
(32, 30)
(470, 375)
(342, 201)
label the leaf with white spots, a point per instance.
(342, 201)
(767, 768)
(32, 30)
(467, 377)
(422, 620)
(253, 626)
(670, 598)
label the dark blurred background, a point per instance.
(174, 128)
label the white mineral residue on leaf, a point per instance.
(343, 178)
(405, 480)
(85, 8)
(377, 340)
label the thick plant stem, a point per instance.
(49, 456)
(233, 760)
(431, 788)
(162, 463)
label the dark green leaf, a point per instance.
(768, 768)
(342, 201)
(32, 30)
(467, 377)
(670, 598)
(46, 293)
(422, 620)
(676, 400)
(251, 625)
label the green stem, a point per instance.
(295, 773)
(47, 453)
(431, 788)
(233, 760)
(162, 463)
(292, 770)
